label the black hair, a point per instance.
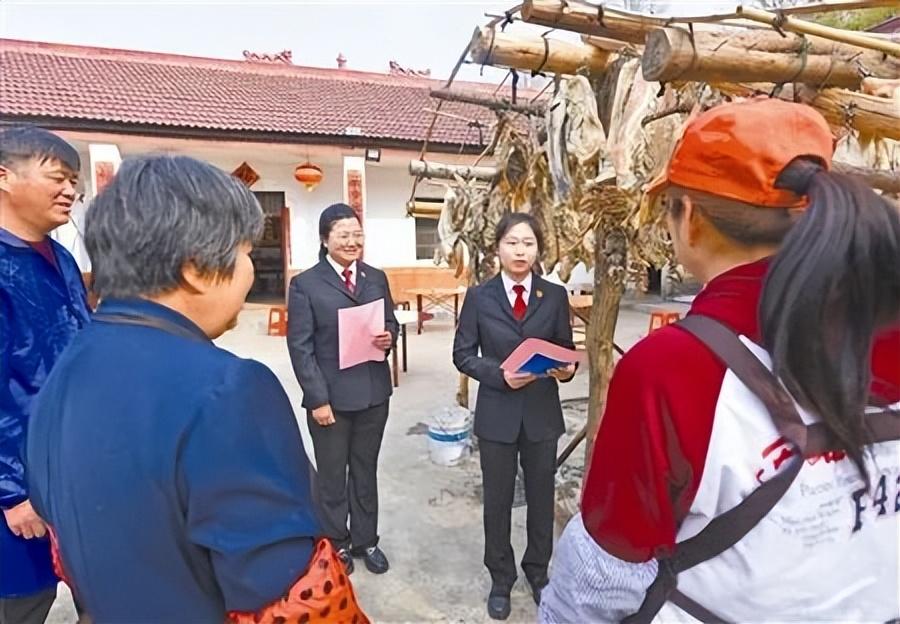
(834, 283)
(25, 142)
(334, 212)
(511, 220)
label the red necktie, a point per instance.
(347, 273)
(519, 306)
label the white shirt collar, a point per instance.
(508, 284)
(340, 270)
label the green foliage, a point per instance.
(855, 20)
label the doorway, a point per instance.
(269, 253)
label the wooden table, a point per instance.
(404, 318)
(580, 305)
(431, 298)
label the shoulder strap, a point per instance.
(147, 321)
(727, 529)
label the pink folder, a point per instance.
(356, 328)
(536, 356)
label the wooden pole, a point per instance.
(492, 103)
(764, 40)
(424, 210)
(670, 54)
(493, 47)
(462, 391)
(605, 43)
(792, 24)
(881, 179)
(587, 19)
(442, 171)
(610, 252)
(707, 38)
(871, 116)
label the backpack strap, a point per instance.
(727, 529)
(149, 321)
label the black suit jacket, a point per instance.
(487, 325)
(314, 299)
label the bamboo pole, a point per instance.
(792, 24)
(493, 103)
(442, 171)
(838, 5)
(673, 54)
(493, 47)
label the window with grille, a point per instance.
(426, 238)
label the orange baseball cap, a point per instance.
(737, 151)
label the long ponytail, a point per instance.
(834, 282)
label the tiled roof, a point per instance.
(119, 88)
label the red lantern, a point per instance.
(309, 175)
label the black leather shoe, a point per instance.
(344, 555)
(376, 562)
(498, 607)
(536, 588)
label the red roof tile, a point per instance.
(122, 88)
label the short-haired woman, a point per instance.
(171, 471)
(518, 417)
(347, 409)
(706, 493)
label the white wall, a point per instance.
(390, 234)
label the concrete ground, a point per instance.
(430, 516)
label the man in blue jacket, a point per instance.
(42, 305)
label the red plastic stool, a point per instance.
(659, 320)
(278, 321)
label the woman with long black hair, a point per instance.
(748, 456)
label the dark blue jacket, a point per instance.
(172, 472)
(487, 334)
(41, 309)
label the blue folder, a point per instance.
(539, 364)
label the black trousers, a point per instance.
(347, 483)
(498, 470)
(28, 610)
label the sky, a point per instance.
(421, 34)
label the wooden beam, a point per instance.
(587, 19)
(442, 171)
(673, 54)
(881, 179)
(792, 24)
(605, 43)
(493, 103)
(424, 210)
(869, 115)
(533, 53)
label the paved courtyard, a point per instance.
(430, 519)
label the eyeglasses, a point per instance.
(345, 237)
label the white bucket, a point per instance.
(449, 436)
